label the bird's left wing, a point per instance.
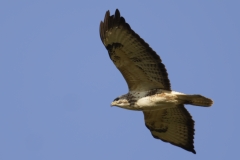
(173, 125)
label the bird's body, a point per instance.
(157, 99)
(146, 100)
(149, 87)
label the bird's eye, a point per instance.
(116, 99)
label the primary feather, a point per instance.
(149, 87)
(141, 67)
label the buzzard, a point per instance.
(149, 87)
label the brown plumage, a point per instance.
(141, 67)
(148, 83)
(173, 125)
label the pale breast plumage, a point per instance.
(149, 86)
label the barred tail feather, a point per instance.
(196, 100)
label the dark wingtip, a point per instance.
(107, 13)
(101, 31)
(117, 14)
(190, 149)
(193, 151)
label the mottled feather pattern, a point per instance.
(149, 86)
(173, 125)
(114, 30)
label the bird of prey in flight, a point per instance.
(149, 87)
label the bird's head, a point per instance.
(120, 102)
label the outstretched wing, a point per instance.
(173, 125)
(141, 67)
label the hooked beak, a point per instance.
(113, 104)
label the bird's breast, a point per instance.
(158, 101)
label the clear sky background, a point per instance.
(57, 81)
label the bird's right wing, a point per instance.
(173, 125)
(141, 67)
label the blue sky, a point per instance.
(57, 81)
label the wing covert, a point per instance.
(173, 125)
(141, 67)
